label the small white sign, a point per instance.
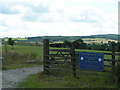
(82, 58)
(99, 59)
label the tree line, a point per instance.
(80, 44)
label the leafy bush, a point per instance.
(10, 41)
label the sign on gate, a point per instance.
(91, 61)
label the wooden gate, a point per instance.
(63, 58)
(69, 58)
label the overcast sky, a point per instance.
(26, 18)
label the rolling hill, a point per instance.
(104, 37)
(71, 38)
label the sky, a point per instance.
(28, 18)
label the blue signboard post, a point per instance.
(91, 61)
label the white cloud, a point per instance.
(55, 17)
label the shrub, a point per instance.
(10, 41)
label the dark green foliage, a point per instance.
(10, 41)
(95, 46)
(79, 40)
(78, 44)
(67, 43)
(110, 46)
(118, 46)
(114, 46)
(57, 45)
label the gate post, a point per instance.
(46, 56)
(113, 58)
(73, 60)
(113, 54)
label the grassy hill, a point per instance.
(70, 38)
(108, 36)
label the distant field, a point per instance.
(6, 39)
(97, 40)
(91, 40)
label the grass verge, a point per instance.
(64, 80)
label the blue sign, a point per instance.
(91, 61)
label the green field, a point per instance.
(20, 54)
(95, 39)
(17, 56)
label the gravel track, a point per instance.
(11, 78)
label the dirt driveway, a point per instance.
(11, 78)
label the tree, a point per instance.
(112, 46)
(79, 44)
(118, 47)
(76, 44)
(79, 40)
(10, 41)
(67, 43)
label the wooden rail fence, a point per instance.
(68, 58)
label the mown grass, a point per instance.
(65, 80)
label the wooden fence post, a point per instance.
(46, 56)
(113, 54)
(113, 58)
(73, 60)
